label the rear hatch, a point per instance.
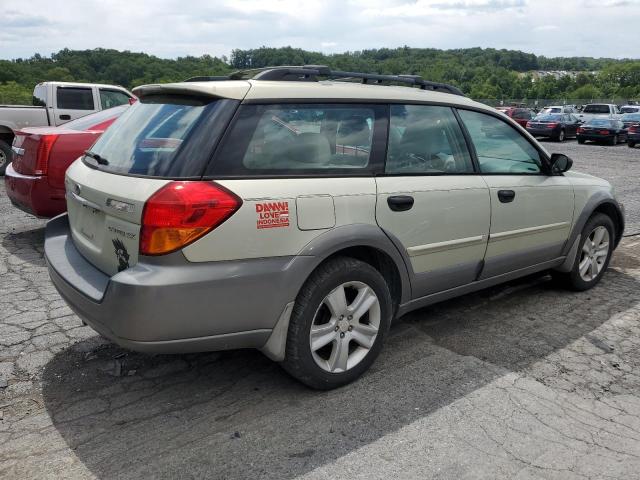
(170, 134)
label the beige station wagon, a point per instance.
(299, 210)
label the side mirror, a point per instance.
(560, 163)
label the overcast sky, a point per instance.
(170, 28)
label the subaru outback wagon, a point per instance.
(298, 210)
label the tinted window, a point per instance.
(299, 138)
(163, 136)
(500, 148)
(549, 118)
(89, 121)
(596, 109)
(629, 109)
(112, 98)
(426, 139)
(522, 115)
(40, 96)
(599, 122)
(75, 98)
(631, 117)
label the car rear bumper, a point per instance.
(634, 137)
(542, 132)
(169, 305)
(595, 137)
(34, 194)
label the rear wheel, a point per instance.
(338, 324)
(561, 136)
(631, 144)
(5, 156)
(592, 259)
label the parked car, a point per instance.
(518, 114)
(599, 110)
(301, 217)
(630, 109)
(602, 130)
(629, 119)
(558, 109)
(55, 103)
(556, 126)
(633, 135)
(34, 181)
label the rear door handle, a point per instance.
(400, 203)
(506, 196)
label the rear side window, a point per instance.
(426, 139)
(163, 136)
(296, 139)
(112, 98)
(500, 148)
(71, 98)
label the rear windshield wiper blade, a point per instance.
(96, 157)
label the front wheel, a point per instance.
(338, 324)
(594, 254)
(5, 156)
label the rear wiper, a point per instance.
(96, 157)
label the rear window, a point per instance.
(89, 121)
(549, 118)
(630, 109)
(163, 136)
(631, 117)
(599, 123)
(596, 109)
(297, 139)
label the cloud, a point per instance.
(167, 29)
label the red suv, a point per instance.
(520, 115)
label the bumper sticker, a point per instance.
(272, 214)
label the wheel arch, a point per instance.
(6, 134)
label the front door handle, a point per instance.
(400, 203)
(506, 196)
(65, 117)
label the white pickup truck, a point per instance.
(55, 103)
(599, 110)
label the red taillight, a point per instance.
(580, 130)
(181, 212)
(634, 128)
(36, 150)
(552, 125)
(528, 124)
(604, 132)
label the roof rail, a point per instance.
(312, 72)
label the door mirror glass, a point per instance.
(560, 163)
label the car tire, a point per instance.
(631, 144)
(561, 136)
(614, 140)
(581, 141)
(325, 305)
(5, 156)
(588, 266)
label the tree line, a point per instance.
(479, 73)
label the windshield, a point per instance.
(95, 119)
(596, 109)
(161, 136)
(599, 123)
(549, 118)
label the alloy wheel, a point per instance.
(595, 251)
(345, 327)
(3, 158)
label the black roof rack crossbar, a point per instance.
(311, 72)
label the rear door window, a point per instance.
(74, 98)
(163, 136)
(298, 139)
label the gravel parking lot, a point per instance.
(519, 381)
